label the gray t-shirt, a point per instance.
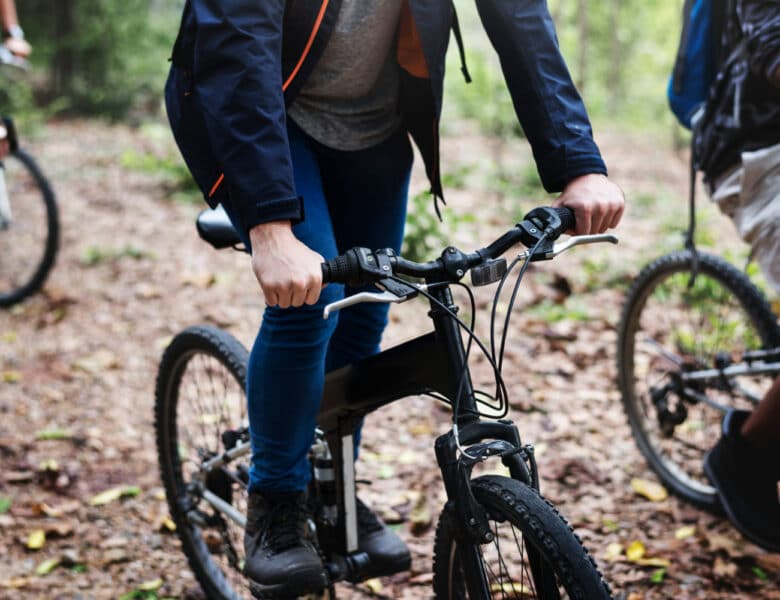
(350, 101)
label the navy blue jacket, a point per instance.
(237, 64)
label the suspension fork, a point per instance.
(473, 528)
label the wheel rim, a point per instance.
(680, 328)
(507, 568)
(24, 230)
(209, 401)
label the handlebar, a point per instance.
(361, 266)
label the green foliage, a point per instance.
(102, 57)
(94, 255)
(485, 99)
(424, 234)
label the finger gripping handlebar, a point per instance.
(566, 215)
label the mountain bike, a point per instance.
(497, 537)
(696, 337)
(29, 222)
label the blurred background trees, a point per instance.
(100, 57)
(109, 58)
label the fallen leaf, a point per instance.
(685, 532)
(658, 576)
(113, 494)
(421, 516)
(167, 523)
(509, 587)
(52, 434)
(47, 566)
(614, 552)
(36, 540)
(724, 569)
(635, 551)
(95, 363)
(5, 504)
(12, 376)
(653, 562)
(649, 489)
(374, 585)
(15, 582)
(150, 586)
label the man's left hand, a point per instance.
(597, 203)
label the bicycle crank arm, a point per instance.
(384, 297)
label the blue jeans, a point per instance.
(350, 199)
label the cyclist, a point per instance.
(282, 109)
(742, 167)
(13, 35)
(13, 39)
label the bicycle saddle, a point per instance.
(214, 226)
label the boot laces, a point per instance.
(282, 528)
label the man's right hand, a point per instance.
(18, 47)
(289, 272)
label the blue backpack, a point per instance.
(697, 57)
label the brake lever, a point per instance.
(578, 240)
(385, 297)
(406, 291)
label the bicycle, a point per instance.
(696, 337)
(496, 535)
(29, 220)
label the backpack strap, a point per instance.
(459, 40)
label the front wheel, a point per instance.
(679, 318)
(29, 228)
(534, 552)
(200, 414)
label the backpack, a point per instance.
(698, 57)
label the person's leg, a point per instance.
(762, 427)
(285, 377)
(286, 368)
(368, 208)
(743, 465)
(367, 200)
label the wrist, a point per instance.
(14, 31)
(264, 233)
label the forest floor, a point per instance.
(78, 365)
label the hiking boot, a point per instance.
(386, 550)
(282, 560)
(746, 479)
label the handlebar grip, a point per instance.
(341, 269)
(566, 215)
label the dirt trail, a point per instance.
(80, 359)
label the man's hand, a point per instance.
(596, 201)
(18, 47)
(288, 271)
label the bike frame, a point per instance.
(434, 362)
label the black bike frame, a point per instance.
(435, 362)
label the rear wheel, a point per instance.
(674, 322)
(29, 228)
(534, 552)
(200, 412)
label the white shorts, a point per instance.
(750, 195)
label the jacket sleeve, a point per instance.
(237, 78)
(548, 105)
(761, 21)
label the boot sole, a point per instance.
(287, 590)
(770, 547)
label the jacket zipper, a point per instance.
(286, 84)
